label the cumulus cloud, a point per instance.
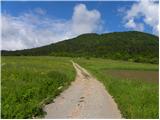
(147, 10)
(89, 24)
(34, 29)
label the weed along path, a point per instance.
(85, 98)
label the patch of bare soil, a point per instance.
(148, 76)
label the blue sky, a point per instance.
(69, 19)
(63, 10)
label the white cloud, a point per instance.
(136, 26)
(147, 10)
(39, 11)
(89, 24)
(34, 29)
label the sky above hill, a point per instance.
(37, 23)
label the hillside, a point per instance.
(131, 46)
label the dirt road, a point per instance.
(85, 98)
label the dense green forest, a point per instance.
(131, 46)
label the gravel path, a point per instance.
(85, 98)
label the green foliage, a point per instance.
(135, 98)
(30, 82)
(138, 46)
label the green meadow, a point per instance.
(136, 98)
(28, 83)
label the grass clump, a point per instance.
(30, 82)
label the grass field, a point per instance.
(30, 82)
(136, 98)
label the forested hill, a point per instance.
(131, 46)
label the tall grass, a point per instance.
(135, 98)
(30, 82)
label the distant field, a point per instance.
(135, 94)
(29, 82)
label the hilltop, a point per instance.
(132, 46)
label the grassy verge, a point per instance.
(135, 98)
(30, 82)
